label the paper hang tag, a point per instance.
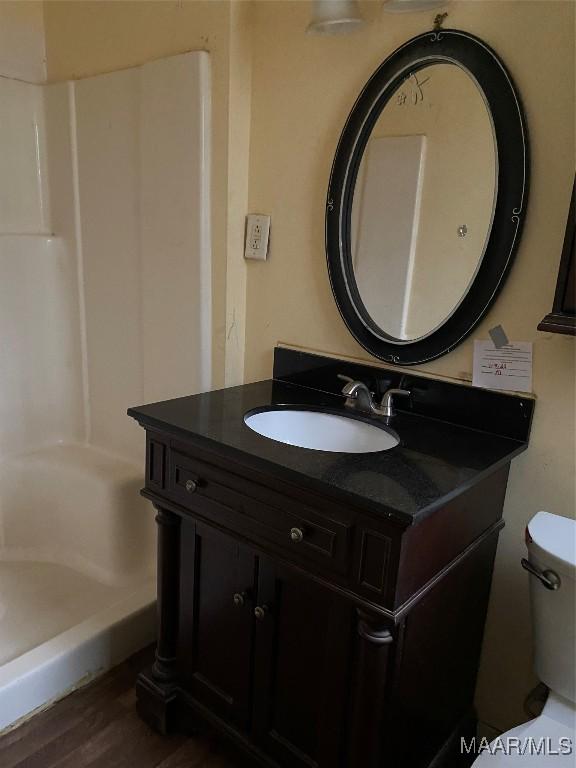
(505, 367)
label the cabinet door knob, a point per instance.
(191, 486)
(240, 599)
(296, 534)
(261, 611)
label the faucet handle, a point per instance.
(346, 387)
(398, 391)
(386, 404)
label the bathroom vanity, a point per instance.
(320, 608)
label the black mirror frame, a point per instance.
(511, 140)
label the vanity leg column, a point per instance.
(164, 669)
(156, 689)
(374, 649)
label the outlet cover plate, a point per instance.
(257, 236)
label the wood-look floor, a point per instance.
(97, 726)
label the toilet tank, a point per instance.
(551, 542)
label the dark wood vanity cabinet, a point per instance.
(306, 631)
(280, 676)
(300, 657)
(216, 633)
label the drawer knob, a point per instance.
(239, 599)
(296, 534)
(261, 611)
(191, 486)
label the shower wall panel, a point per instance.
(40, 384)
(105, 297)
(38, 376)
(143, 183)
(23, 199)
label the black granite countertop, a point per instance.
(434, 461)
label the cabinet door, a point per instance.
(217, 620)
(302, 644)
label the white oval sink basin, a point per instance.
(321, 431)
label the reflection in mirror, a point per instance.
(423, 201)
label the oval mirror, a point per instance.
(427, 197)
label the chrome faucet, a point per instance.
(357, 394)
(359, 397)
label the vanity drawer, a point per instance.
(258, 512)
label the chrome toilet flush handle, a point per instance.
(548, 578)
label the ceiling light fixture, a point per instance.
(334, 17)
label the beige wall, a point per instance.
(22, 52)
(89, 38)
(296, 92)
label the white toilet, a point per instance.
(550, 739)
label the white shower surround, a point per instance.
(105, 302)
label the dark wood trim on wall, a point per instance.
(562, 319)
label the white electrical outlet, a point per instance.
(257, 234)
